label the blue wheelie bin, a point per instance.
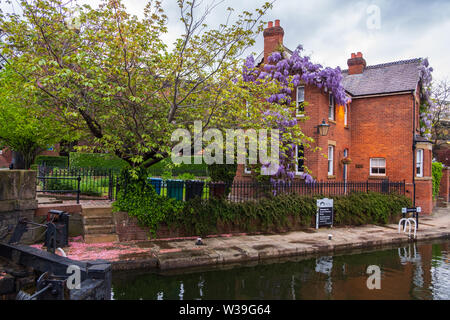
(156, 183)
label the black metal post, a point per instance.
(78, 189)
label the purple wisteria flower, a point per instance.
(300, 68)
(427, 104)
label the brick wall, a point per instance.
(381, 127)
(5, 158)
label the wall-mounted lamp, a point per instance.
(323, 128)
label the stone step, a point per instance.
(100, 238)
(48, 201)
(97, 220)
(97, 211)
(100, 229)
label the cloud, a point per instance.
(330, 30)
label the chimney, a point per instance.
(273, 38)
(356, 63)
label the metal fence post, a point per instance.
(110, 186)
(78, 189)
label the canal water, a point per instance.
(412, 271)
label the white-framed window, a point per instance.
(377, 167)
(330, 160)
(346, 115)
(331, 107)
(300, 101)
(419, 163)
(300, 160)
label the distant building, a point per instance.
(6, 155)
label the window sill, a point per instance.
(331, 177)
(332, 121)
(423, 178)
(346, 127)
(378, 177)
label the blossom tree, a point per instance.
(111, 74)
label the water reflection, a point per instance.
(409, 272)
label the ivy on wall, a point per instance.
(436, 173)
(200, 218)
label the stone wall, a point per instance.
(13, 278)
(17, 200)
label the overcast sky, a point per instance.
(330, 30)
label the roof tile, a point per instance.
(390, 77)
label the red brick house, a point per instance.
(379, 130)
(6, 155)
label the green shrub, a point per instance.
(222, 172)
(52, 161)
(186, 176)
(167, 168)
(200, 217)
(138, 197)
(437, 168)
(96, 161)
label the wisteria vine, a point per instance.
(290, 73)
(286, 170)
(427, 105)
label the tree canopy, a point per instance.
(25, 127)
(109, 74)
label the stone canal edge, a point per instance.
(222, 250)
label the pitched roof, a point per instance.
(384, 78)
(398, 76)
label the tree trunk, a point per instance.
(18, 161)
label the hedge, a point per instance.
(197, 217)
(277, 213)
(52, 161)
(437, 168)
(96, 161)
(166, 167)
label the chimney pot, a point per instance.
(273, 38)
(356, 64)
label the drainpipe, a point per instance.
(414, 149)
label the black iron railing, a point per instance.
(241, 191)
(91, 183)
